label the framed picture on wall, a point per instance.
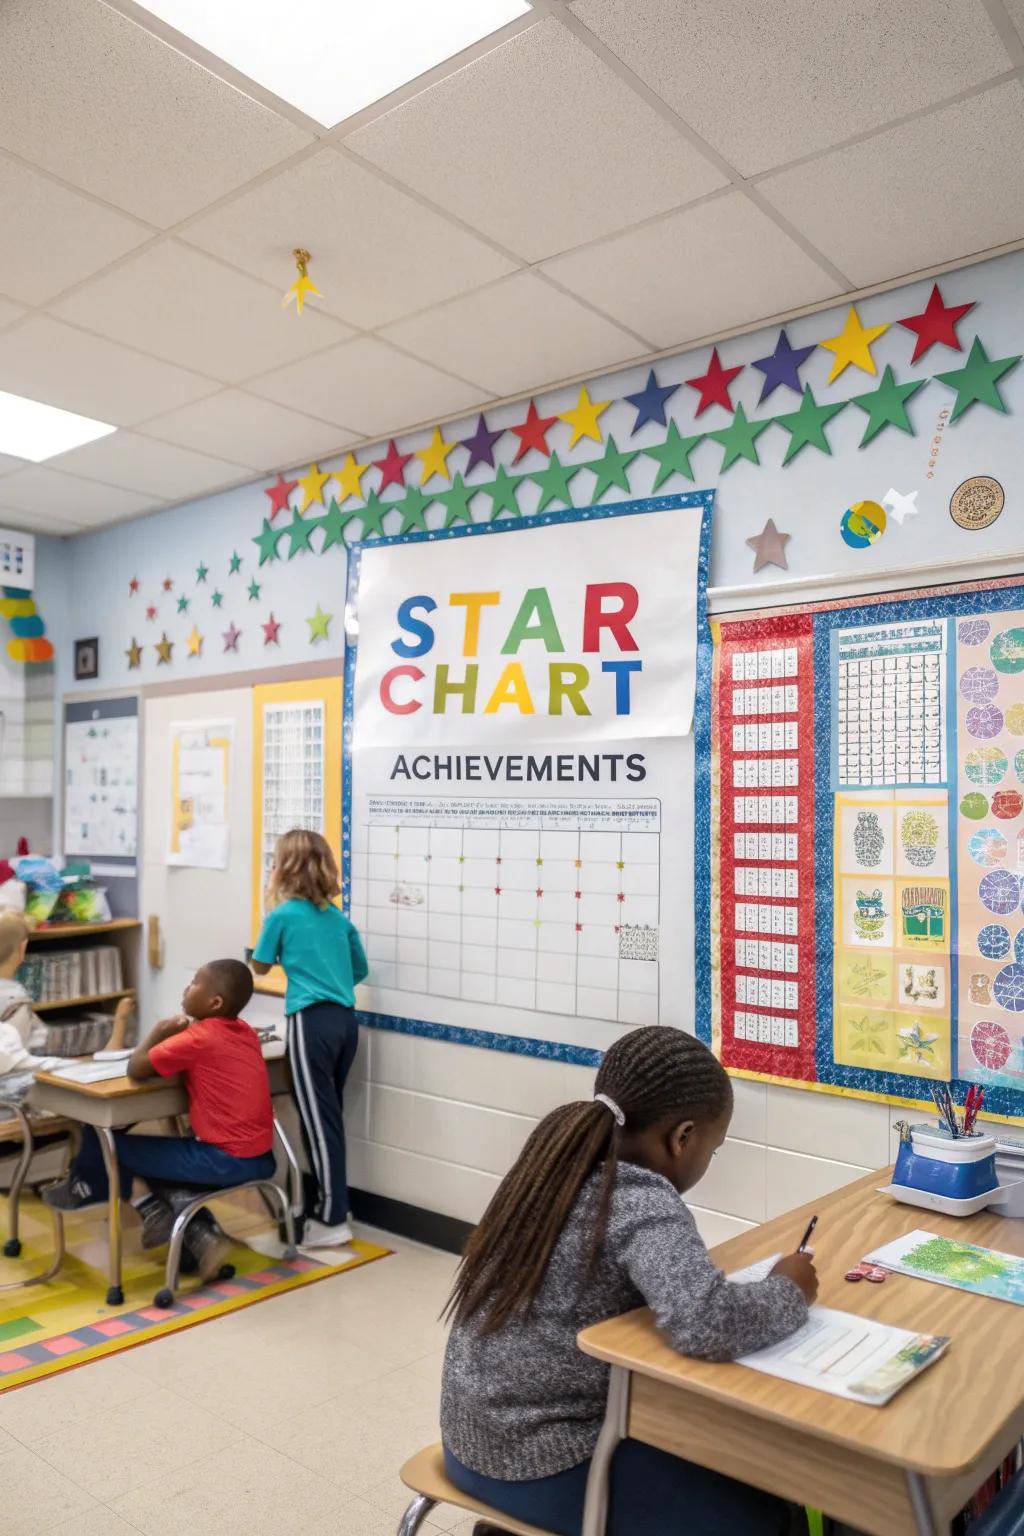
(87, 659)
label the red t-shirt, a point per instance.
(228, 1087)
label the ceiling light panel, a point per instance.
(34, 431)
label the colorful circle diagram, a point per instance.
(979, 685)
(1007, 804)
(984, 721)
(994, 941)
(986, 765)
(1000, 892)
(1015, 719)
(973, 631)
(974, 806)
(1018, 948)
(1008, 988)
(1007, 651)
(990, 1045)
(988, 847)
(862, 524)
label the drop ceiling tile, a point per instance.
(773, 80)
(1016, 13)
(141, 464)
(249, 431)
(369, 388)
(164, 136)
(538, 144)
(837, 201)
(34, 522)
(62, 365)
(49, 493)
(518, 334)
(51, 237)
(700, 270)
(7, 463)
(189, 309)
(9, 312)
(377, 252)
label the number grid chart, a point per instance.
(293, 774)
(890, 692)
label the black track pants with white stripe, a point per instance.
(322, 1042)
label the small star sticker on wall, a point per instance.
(202, 571)
(163, 648)
(900, 507)
(183, 604)
(134, 654)
(194, 641)
(236, 563)
(270, 629)
(133, 586)
(231, 637)
(318, 625)
(254, 590)
(769, 547)
(151, 613)
(167, 583)
(216, 598)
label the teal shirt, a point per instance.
(320, 950)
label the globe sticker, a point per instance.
(977, 503)
(862, 524)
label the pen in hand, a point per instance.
(807, 1235)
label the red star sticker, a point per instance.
(936, 323)
(497, 860)
(133, 586)
(168, 583)
(578, 895)
(621, 896)
(617, 928)
(279, 493)
(497, 890)
(713, 386)
(150, 613)
(579, 927)
(538, 892)
(392, 466)
(270, 630)
(532, 433)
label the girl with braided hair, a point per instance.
(588, 1224)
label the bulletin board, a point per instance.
(101, 793)
(860, 835)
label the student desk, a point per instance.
(901, 1470)
(119, 1103)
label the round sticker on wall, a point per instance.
(973, 631)
(1007, 651)
(988, 847)
(984, 721)
(994, 941)
(1009, 988)
(1000, 892)
(1007, 804)
(979, 685)
(986, 765)
(862, 524)
(974, 806)
(977, 503)
(990, 1045)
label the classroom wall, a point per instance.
(436, 1124)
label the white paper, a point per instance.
(841, 1353)
(101, 770)
(200, 770)
(754, 1272)
(91, 1071)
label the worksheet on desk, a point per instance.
(849, 1356)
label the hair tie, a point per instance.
(602, 1098)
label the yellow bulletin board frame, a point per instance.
(326, 691)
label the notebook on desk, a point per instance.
(90, 1071)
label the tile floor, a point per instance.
(290, 1418)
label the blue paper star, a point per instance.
(481, 444)
(783, 366)
(650, 402)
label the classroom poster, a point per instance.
(517, 708)
(200, 793)
(101, 787)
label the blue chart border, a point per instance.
(515, 1045)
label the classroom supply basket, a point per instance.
(953, 1174)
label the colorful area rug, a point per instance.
(66, 1322)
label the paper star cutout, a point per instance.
(194, 641)
(133, 586)
(350, 477)
(279, 493)
(673, 455)
(713, 386)
(583, 418)
(163, 649)
(769, 547)
(739, 437)
(318, 625)
(201, 574)
(782, 367)
(457, 501)
(392, 467)
(151, 613)
(807, 425)
(554, 482)
(372, 516)
(231, 637)
(976, 380)
(611, 469)
(270, 629)
(312, 483)
(434, 458)
(236, 563)
(134, 654)
(299, 533)
(852, 347)
(481, 445)
(216, 598)
(302, 289)
(167, 584)
(334, 522)
(503, 491)
(650, 401)
(183, 604)
(254, 590)
(936, 324)
(412, 506)
(885, 405)
(900, 507)
(532, 433)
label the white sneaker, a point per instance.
(317, 1235)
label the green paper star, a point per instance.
(372, 516)
(216, 598)
(267, 542)
(299, 532)
(611, 469)
(554, 482)
(807, 425)
(254, 591)
(976, 380)
(412, 507)
(457, 501)
(334, 522)
(739, 437)
(318, 625)
(183, 604)
(503, 493)
(673, 455)
(201, 572)
(884, 406)
(236, 563)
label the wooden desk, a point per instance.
(901, 1470)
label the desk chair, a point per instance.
(425, 1476)
(20, 1127)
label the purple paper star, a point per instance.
(481, 444)
(231, 637)
(783, 366)
(650, 402)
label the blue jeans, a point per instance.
(166, 1162)
(650, 1492)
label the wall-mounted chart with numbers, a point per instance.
(860, 836)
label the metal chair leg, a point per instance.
(415, 1515)
(294, 1171)
(12, 1247)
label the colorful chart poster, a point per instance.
(101, 787)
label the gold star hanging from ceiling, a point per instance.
(303, 286)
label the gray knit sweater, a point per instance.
(525, 1403)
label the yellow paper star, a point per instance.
(853, 345)
(583, 418)
(350, 477)
(435, 457)
(313, 486)
(194, 641)
(134, 654)
(164, 647)
(302, 289)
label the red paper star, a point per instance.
(279, 493)
(168, 583)
(936, 323)
(713, 386)
(532, 433)
(392, 467)
(539, 892)
(621, 896)
(579, 927)
(133, 586)
(270, 630)
(578, 895)
(151, 613)
(497, 890)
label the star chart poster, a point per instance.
(517, 707)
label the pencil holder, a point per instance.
(958, 1168)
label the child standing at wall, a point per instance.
(323, 959)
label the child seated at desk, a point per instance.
(589, 1224)
(229, 1106)
(21, 1028)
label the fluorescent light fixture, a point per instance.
(331, 58)
(31, 430)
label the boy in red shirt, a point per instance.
(229, 1106)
